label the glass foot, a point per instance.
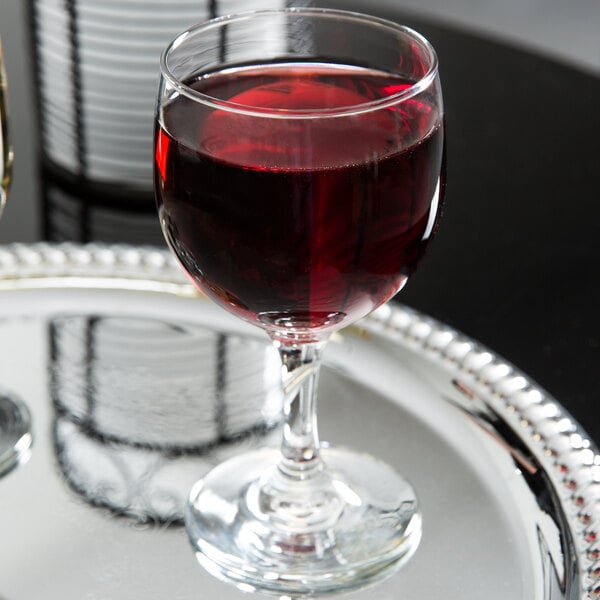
(15, 433)
(349, 524)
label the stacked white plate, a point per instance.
(98, 69)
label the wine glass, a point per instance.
(6, 154)
(15, 420)
(298, 175)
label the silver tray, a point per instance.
(127, 374)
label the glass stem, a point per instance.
(300, 445)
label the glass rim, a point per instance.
(398, 97)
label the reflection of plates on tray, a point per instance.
(161, 384)
(509, 483)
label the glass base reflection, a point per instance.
(15, 433)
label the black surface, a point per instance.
(515, 264)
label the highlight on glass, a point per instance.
(299, 167)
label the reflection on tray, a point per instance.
(144, 407)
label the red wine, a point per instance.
(299, 223)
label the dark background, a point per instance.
(515, 264)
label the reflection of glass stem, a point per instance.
(6, 154)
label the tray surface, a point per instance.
(136, 385)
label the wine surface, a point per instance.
(295, 221)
